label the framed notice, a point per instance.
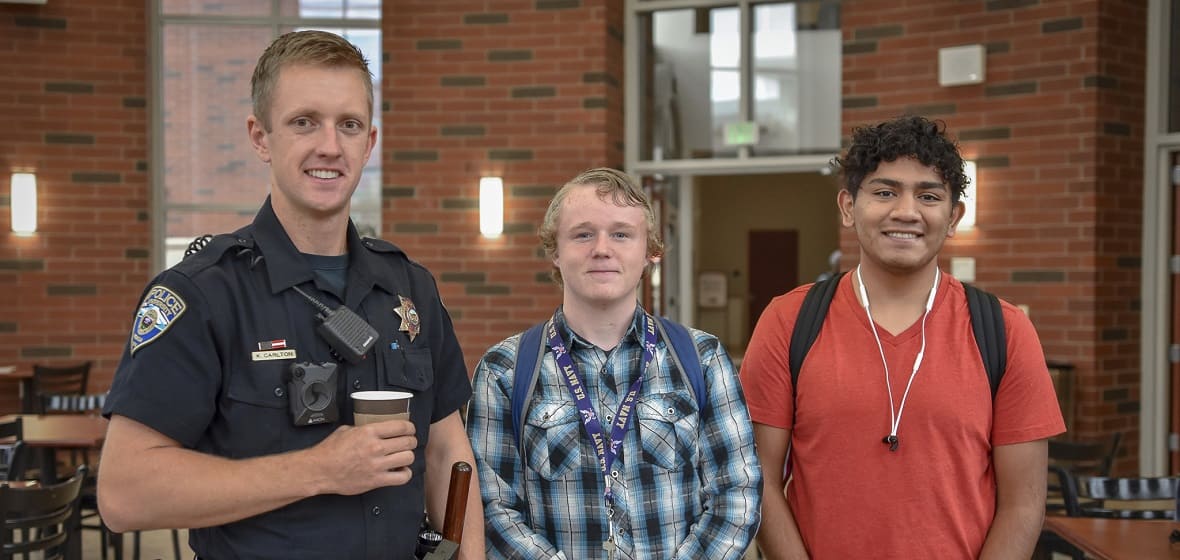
(712, 290)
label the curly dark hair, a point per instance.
(910, 136)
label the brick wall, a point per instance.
(1056, 131)
(74, 104)
(527, 90)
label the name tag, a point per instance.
(288, 354)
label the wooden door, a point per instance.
(772, 268)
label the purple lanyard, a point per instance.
(573, 382)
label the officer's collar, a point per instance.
(286, 267)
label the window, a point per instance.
(206, 176)
(737, 83)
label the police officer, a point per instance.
(230, 411)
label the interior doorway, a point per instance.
(773, 263)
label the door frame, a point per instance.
(1155, 289)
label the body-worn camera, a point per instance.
(311, 393)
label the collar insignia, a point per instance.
(411, 323)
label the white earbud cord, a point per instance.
(895, 418)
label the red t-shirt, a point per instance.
(935, 496)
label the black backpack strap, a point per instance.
(808, 322)
(987, 320)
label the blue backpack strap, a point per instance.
(808, 322)
(681, 344)
(528, 361)
(987, 320)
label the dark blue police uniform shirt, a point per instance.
(191, 372)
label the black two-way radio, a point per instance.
(349, 336)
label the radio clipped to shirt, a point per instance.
(349, 336)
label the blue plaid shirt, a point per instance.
(687, 482)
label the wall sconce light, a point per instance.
(491, 206)
(23, 201)
(970, 197)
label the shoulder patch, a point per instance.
(160, 307)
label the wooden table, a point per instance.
(1117, 539)
(49, 432)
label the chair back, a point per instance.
(12, 450)
(46, 515)
(49, 383)
(1071, 459)
(1127, 498)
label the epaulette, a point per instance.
(206, 250)
(380, 245)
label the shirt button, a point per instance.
(279, 392)
(614, 474)
(377, 511)
(356, 383)
(609, 418)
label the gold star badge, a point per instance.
(411, 323)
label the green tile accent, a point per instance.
(544, 277)
(1060, 25)
(439, 44)
(384, 106)
(1114, 333)
(95, 177)
(46, 352)
(1100, 81)
(415, 155)
(1116, 128)
(397, 192)
(1038, 276)
(487, 290)
(1016, 88)
(66, 138)
(997, 47)
(534, 191)
(510, 155)
(136, 253)
(414, 227)
(516, 228)
(599, 78)
(68, 87)
(859, 102)
(142, 216)
(884, 31)
(509, 55)
(22, 265)
(991, 161)
(1114, 395)
(463, 130)
(141, 166)
(7, 327)
(71, 290)
(463, 277)
(997, 5)
(931, 109)
(462, 81)
(485, 19)
(460, 204)
(995, 133)
(456, 314)
(557, 4)
(594, 103)
(1129, 262)
(44, 23)
(134, 102)
(859, 47)
(534, 91)
(1129, 408)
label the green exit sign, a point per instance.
(742, 133)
